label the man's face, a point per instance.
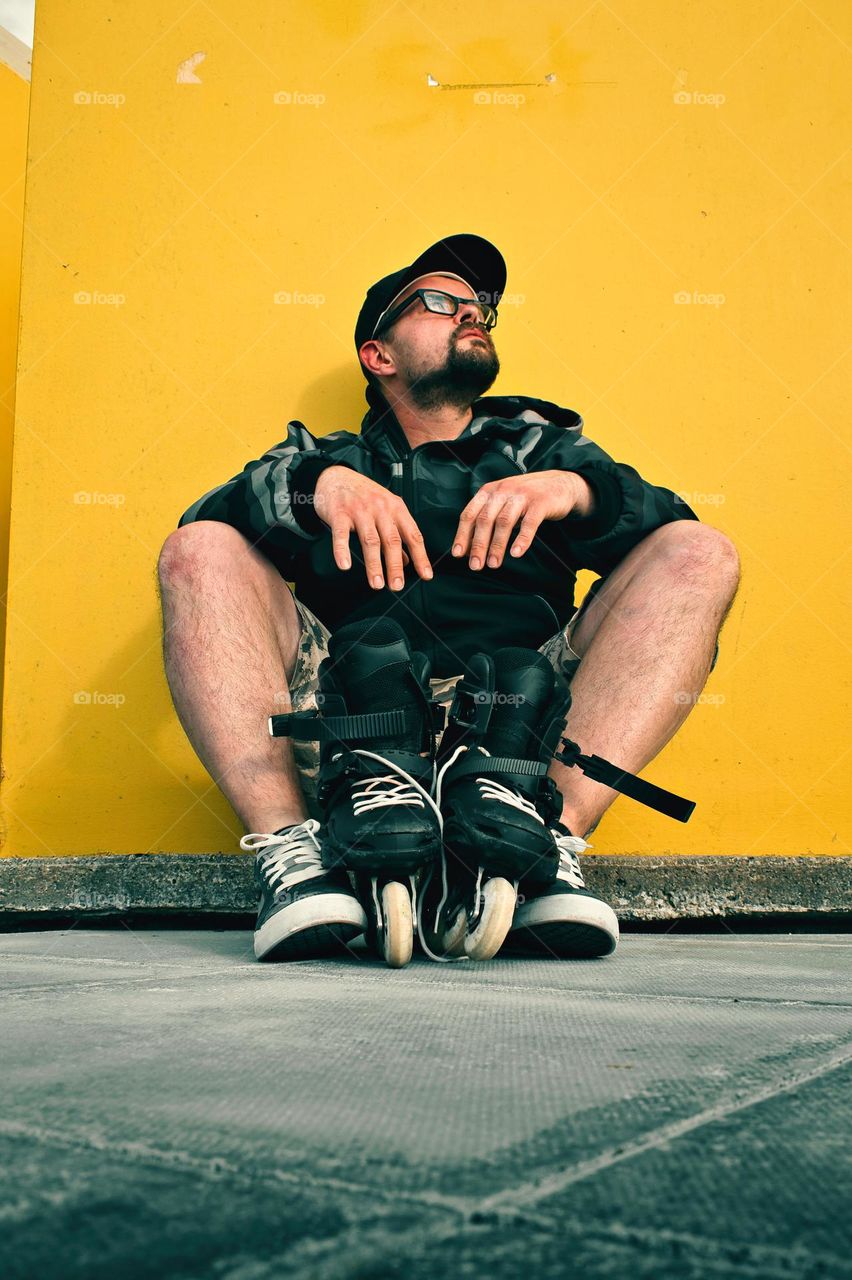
(441, 359)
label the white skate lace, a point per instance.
(385, 789)
(490, 788)
(288, 860)
(569, 863)
(418, 910)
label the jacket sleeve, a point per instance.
(271, 501)
(627, 507)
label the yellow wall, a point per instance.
(14, 110)
(196, 202)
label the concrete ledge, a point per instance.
(220, 885)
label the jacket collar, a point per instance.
(492, 415)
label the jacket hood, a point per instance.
(492, 415)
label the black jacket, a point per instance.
(459, 611)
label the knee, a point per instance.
(695, 547)
(198, 545)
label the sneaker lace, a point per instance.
(569, 864)
(284, 861)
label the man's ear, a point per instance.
(379, 358)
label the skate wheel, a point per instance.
(398, 925)
(495, 919)
(455, 937)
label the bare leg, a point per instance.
(230, 640)
(646, 641)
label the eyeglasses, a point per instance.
(443, 304)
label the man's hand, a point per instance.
(496, 508)
(346, 500)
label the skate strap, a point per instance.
(310, 726)
(628, 784)
(473, 762)
(352, 764)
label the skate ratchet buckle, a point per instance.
(600, 770)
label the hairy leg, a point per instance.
(646, 643)
(231, 634)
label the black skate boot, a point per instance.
(374, 721)
(502, 812)
(495, 797)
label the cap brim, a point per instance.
(472, 257)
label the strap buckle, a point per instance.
(471, 709)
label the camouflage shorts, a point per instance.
(313, 647)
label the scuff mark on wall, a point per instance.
(186, 70)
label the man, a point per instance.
(426, 500)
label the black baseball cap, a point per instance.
(471, 259)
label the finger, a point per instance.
(467, 520)
(340, 533)
(371, 545)
(485, 525)
(526, 533)
(414, 538)
(392, 551)
(506, 521)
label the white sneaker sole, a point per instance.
(320, 910)
(575, 912)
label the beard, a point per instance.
(468, 371)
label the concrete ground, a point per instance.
(173, 1109)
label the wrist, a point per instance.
(304, 478)
(606, 508)
(334, 467)
(586, 502)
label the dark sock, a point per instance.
(283, 830)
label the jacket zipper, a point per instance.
(407, 497)
(408, 465)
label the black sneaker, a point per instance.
(565, 919)
(305, 911)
